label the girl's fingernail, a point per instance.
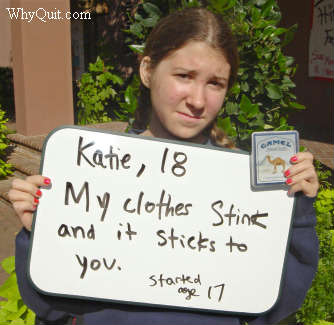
(47, 181)
(289, 181)
(39, 193)
(287, 173)
(294, 158)
(36, 200)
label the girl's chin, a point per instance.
(189, 135)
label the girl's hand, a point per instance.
(301, 176)
(24, 195)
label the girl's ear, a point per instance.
(145, 71)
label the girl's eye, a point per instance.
(217, 84)
(183, 75)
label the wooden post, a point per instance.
(5, 35)
(42, 66)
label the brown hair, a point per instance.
(173, 32)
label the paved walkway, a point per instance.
(323, 152)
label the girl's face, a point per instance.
(187, 89)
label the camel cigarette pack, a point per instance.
(270, 158)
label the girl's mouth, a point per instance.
(190, 116)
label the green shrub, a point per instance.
(261, 99)
(96, 89)
(319, 302)
(12, 310)
(5, 168)
(129, 104)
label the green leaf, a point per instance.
(136, 29)
(102, 78)
(273, 91)
(245, 104)
(8, 264)
(248, 108)
(282, 120)
(150, 22)
(260, 2)
(235, 90)
(287, 82)
(289, 35)
(9, 289)
(256, 14)
(244, 86)
(137, 48)
(232, 108)
(269, 31)
(296, 105)
(242, 119)
(289, 60)
(21, 311)
(152, 9)
(227, 126)
(30, 319)
(222, 5)
(280, 31)
(4, 316)
(258, 76)
(18, 321)
(258, 122)
(268, 7)
(138, 17)
(11, 306)
(268, 127)
(116, 79)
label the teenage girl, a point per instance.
(190, 62)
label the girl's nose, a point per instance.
(196, 97)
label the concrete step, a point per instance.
(34, 142)
(25, 160)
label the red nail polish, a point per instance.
(287, 173)
(289, 181)
(47, 181)
(294, 158)
(39, 193)
(36, 200)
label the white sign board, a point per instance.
(140, 220)
(321, 56)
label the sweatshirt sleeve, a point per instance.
(301, 263)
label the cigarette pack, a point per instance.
(270, 157)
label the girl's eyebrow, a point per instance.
(220, 78)
(217, 77)
(183, 68)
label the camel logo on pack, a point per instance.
(277, 162)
